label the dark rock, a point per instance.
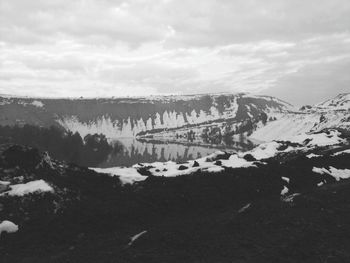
(248, 157)
(218, 162)
(144, 171)
(17, 154)
(182, 167)
(195, 164)
(3, 188)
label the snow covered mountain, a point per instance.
(267, 118)
(333, 113)
(131, 117)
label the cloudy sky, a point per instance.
(298, 50)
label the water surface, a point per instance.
(149, 150)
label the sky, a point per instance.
(297, 50)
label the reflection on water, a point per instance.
(135, 151)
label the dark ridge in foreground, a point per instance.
(237, 215)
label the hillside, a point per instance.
(333, 113)
(284, 200)
(129, 117)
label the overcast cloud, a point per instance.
(298, 50)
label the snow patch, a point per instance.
(236, 162)
(284, 191)
(319, 139)
(5, 183)
(8, 227)
(286, 179)
(312, 155)
(334, 172)
(290, 198)
(38, 104)
(127, 175)
(173, 169)
(137, 236)
(342, 152)
(27, 188)
(265, 150)
(244, 208)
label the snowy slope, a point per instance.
(333, 113)
(340, 102)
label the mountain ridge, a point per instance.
(170, 116)
(127, 117)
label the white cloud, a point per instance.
(139, 47)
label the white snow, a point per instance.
(342, 152)
(339, 173)
(319, 139)
(236, 162)
(214, 169)
(27, 188)
(286, 179)
(8, 227)
(135, 237)
(285, 190)
(5, 183)
(127, 175)
(292, 124)
(171, 169)
(290, 198)
(244, 208)
(320, 184)
(265, 150)
(286, 126)
(306, 142)
(340, 102)
(334, 172)
(312, 155)
(37, 103)
(320, 170)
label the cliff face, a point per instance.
(129, 117)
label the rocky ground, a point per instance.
(287, 202)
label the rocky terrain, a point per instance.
(284, 201)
